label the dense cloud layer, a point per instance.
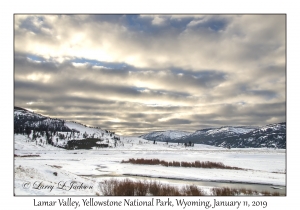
(139, 73)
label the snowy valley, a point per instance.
(68, 156)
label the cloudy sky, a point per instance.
(139, 73)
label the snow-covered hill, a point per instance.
(219, 132)
(48, 132)
(273, 136)
(170, 135)
(24, 121)
(229, 130)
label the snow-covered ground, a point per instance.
(91, 167)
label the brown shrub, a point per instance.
(107, 187)
(155, 162)
(187, 164)
(176, 163)
(224, 191)
(127, 187)
(124, 188)
(167, 190)
(141, 188)
(154, 188)
(26, 155)
(197, 164)
(191, 190)
(245, 191)
(164, 163)
(266, 193)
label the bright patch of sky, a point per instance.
(100, 64)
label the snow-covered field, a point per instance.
(59, 168)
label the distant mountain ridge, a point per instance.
(169, 135)
(273, 135)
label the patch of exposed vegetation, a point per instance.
(128, 187)
(88, 143)
(27, 155)
(196, 164)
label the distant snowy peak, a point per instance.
(272, 127)
(169, 135)
(173, 134)
(225, 130)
